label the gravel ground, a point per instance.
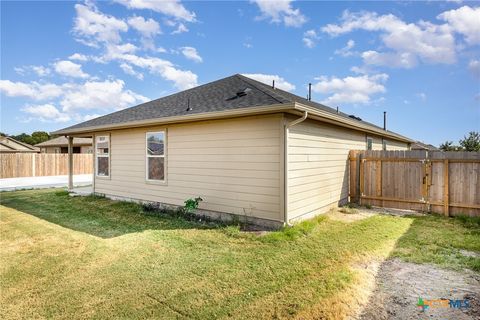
(399, 285)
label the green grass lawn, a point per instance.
(64, 257)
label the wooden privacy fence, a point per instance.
(16, 165)
(433, 181)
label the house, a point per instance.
(60, 145)
(10, 145)
(417, 145)
(246, 148)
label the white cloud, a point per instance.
(309, 38)
(171, 8)
(281, 11)
(97, 27)
(191, 54)
(409, 42)
(353, 90)
(180, 29)
(78, 57)
(33, 90)
(392, 59)
(41, 71)
(100, 95)
(147, 28)
(128, 69)
(46, 113)
(466, 21)
(183, 79)
(280, 82)
(474, 67)
(346, 51)
(422, 96)
(69, 69)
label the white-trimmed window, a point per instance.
(369, 143)
(155, 156)
(102, 156)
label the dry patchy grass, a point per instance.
(66, 258)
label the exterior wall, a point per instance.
(318, 173)
(86, 149)
(83, 149)
(396, 145)
(50, 149)
(235, 165)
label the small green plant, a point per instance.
(61, 193)
(232, 230)
(191, 204)
(368, 206)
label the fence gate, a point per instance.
(443, 182)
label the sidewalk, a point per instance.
(11, 184)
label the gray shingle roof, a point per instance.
(63, 141)
(220, 95)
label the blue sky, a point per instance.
(65, 62)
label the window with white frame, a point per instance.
(155, 160)
(369, 143)
(102, 155)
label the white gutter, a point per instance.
(285, 164)
(339, 120)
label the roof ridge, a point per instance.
(256, 84)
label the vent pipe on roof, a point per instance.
(309, 92)
(337, 110)
(384, 120)
(188, 105)
(273, 84)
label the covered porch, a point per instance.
(74, 188)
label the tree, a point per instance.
(471, 142)
(36, 137)
(40, 136)
(449, 146)
(23, 137)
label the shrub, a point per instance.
(191, 205)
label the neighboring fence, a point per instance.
(43, 164)
(442, 182)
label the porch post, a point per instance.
(70, 163)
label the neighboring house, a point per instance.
(60, 145)
(244, 147)
(417, 145)
(10, 145)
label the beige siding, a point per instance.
(396, 145)
(234, 165)
(377, 142)
(317, 166)
(50, 149)
(86, 149)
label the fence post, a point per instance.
(361, 179)
(70, 163)
(445, 188)
(34, 157)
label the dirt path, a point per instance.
(399, 285)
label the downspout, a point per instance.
(285, 161)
